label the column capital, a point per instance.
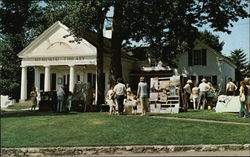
(47, 66)
(71, 65)
(23, 66)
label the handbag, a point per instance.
(242, 98)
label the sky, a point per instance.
(238, 39)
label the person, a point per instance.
(33, 95)
(38, 98)
(243, 93)
(69, 100)
(203, 87)
(143, 94)
(128, 88)
(187, 92)
(60, 98)
(247, 82)
(230, 88)
(120, 93)
(195, 96)
(210, 95)
(110, 100)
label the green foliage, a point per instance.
(239, 58)
(96, 129)
(211, 40)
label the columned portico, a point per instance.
(71, 78)
(24, 83)
(47, 78)
(37, 78)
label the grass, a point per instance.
(27, 129)
(206, 114)
(19, 106)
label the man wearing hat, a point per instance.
(186, 96)
(204, 88)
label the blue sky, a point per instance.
(239, 37)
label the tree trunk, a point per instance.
(99, 58)
(116, 64)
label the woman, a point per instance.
(210, 96)
(143, 94)
(33, 95)
(243, 93)
(195, 96)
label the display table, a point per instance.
(228, 104)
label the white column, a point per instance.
(24, 84)
(47, 78)
(37, 78)
(71, 78)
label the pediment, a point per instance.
(53, 43)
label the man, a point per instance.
(120, 92)
(60, 98)
(247, 82)
(187, 92)
(204, 88)
(230, 88)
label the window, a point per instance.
(92, 79)
(197, 57)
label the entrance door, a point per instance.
(53, 81)
(42, 81)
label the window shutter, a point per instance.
(204, 57)
(190, 58)
(214, 80)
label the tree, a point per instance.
(239, 58)
(15, 20)
(211, 40)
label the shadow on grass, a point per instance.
(9, 114)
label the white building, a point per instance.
(57, 61)
(205, 62)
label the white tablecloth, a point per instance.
(228, 104)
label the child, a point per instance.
(111, 100)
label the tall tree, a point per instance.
(211, 40)
(15, 20)
(239, 58)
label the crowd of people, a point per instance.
(205, 95)
(201, 95)
(121, 93)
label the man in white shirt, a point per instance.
(187, 93)
(120, 92)
(204, 88)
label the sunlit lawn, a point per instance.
(205, 114)
(27, 129)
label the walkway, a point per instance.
(200, 120)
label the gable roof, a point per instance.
(223, 58)
(38, 40)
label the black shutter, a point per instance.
(89, 78)
(190, 58)
(214, 80)
(204, 57)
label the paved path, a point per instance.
(199, 120)
(217, 153)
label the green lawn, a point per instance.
(29, 129)
(205, 114)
